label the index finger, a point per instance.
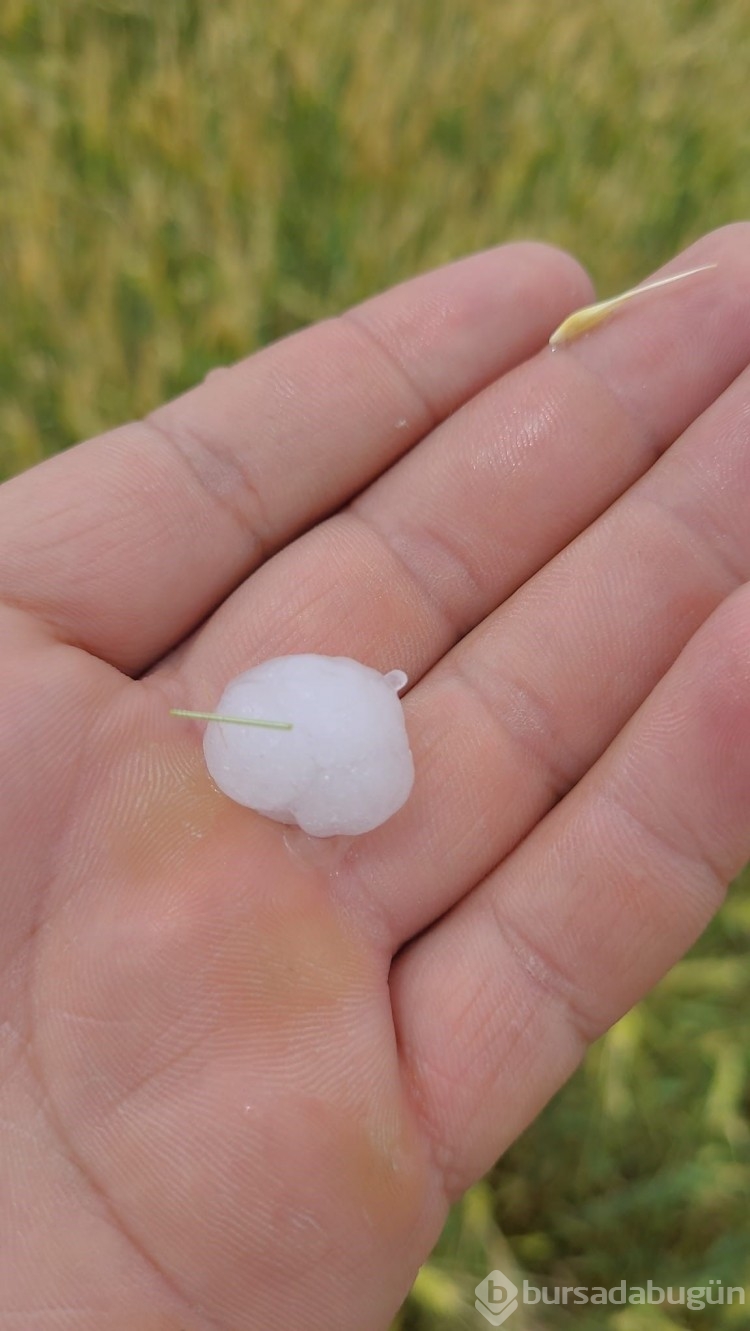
(128, 541)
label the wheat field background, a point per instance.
(182, 182)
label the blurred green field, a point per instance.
(181, 183)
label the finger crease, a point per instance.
(548, 977)
(221, 479)
(698, 856)
(710, 538)
(423, 589)
(430, 411)
(525, 718)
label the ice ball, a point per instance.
(344, 767)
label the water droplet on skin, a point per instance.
(397, 679)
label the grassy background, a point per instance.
(181, 182)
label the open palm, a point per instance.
(244, 1071)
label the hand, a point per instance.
(245, 1071)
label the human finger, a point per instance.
(125, 543)
(495, 1004)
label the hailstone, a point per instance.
(344, 767)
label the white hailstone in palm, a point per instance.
(318, 741)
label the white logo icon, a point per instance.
(496, 1298)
